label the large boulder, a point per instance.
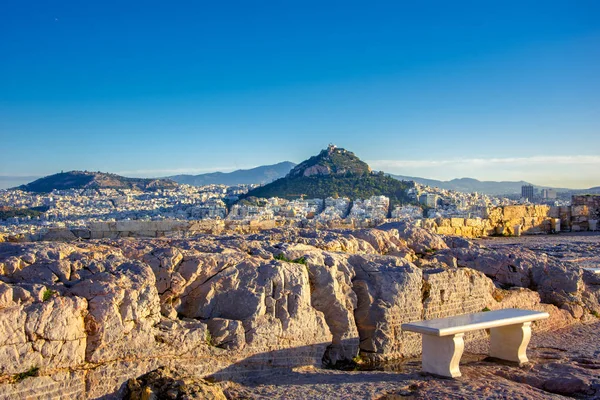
(123, 307)
(420, 240)
(332, 293)
(386, 242)
(41, 334)
(518, 267)
(389, 293)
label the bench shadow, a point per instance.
(297, 366)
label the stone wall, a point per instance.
(585, 212)
(114, 230)
(582, 215)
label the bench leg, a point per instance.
(510, 342)
(441, 355)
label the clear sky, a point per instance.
(494, 90)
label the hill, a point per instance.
(94, 180)
(334, 172)
(331, 161)
(262, 174)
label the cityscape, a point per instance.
(76, 208)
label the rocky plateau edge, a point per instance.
(80, 319)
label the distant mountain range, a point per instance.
(94, 180)
(334, 164)
(470, 185)
(269, 173)
(333, 172)
(263, 174)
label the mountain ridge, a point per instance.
(277, 171)
(469, 185)
(260, 174)
(94, 180)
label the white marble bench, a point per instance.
(443, 343)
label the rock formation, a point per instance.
(80, 319)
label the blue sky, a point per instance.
(496, 90)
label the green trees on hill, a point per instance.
(322, 186)
(9, 212)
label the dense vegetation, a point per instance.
(348, 185)
(9, 212)
(94, 180)
(253, 201)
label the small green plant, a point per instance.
(596, 314)
(33, 371)
(47, 295)
(300, 260)
(358, 359)
(281, 257)
(485, 309)
(210, 341)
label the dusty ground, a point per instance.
(566, 361)
(562, 363)
(581, 249)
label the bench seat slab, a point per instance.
(472, 322)
(441, 354)
(510, 342)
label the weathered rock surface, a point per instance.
(165, 384)
(420, 240)
(44, 334)
(226, 305)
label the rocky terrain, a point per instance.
(132, 317)
(333, 160)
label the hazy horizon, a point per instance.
(378, 165)
(496, 92)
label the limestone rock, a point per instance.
(389, 292)
(331, 278)
(6, 295)
(223, 305)
(420, 240)
(386, 242)
(46, 334)
(123, 307)
(166, 384)
(59, 235)
(455, 291)
(226, 333)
